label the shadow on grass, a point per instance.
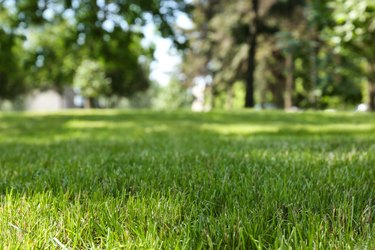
(146, 122)
(131, 151)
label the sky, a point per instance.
(167, 58)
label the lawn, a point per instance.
(179, 180)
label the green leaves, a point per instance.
(354, 22)
(60, 33)
(355, 32)
(90, 78)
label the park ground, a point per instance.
(179, 180)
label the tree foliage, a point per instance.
(60, 34)
(291, 53)
(91, 80)
(354, 33)
(304, 53)
(11, 69)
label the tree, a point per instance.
(65, 31)
(225, 42)
(258, 25)
(254, 29)
(199, 60)
(92, 82)
(287, 42)
(51, 55)
(355, 30)
(12, 81)
(218, 46)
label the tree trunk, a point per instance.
(313, 75)
(93, 103)
(213, 96)
(289, 82)
(371, 87)
(372, 96)
(115, 101)
(253, 27)
(277, 88)
(229, 101)
(87, 104)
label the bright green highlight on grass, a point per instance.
(175, 180)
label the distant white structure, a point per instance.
(198, 103)
(198, 91)
(362, 108)
(50, 100)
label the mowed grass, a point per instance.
(179, 180)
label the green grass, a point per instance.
(178, 180)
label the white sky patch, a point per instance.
(108, 25)
(184, 22)
(48, 14)
(166, 61)
(167, 58)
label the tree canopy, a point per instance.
(58, 35)
(310, 54)
(284, 53)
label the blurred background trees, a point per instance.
(43, 42)
(310, 54)
(92, 82)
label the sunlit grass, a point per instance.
(162, 180)
(77, 124)
(246, 129)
